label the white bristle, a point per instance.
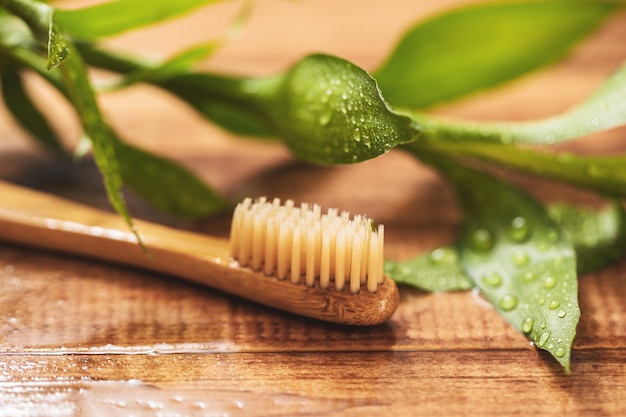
(306, 245)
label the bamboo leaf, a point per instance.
(329, 111)
(25, 111)
(481, 46)
(519, 259)
(165, 184)
(436, 271)
(183, 62)
(603, 174)
(605, 109)
(79, 90)
(599, 239)
(115, 17)
(598, 236)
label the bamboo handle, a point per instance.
(41, 220)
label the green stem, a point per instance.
(250, 94)
(37, 15)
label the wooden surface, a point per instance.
(81, 338)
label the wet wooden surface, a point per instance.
(82, 338)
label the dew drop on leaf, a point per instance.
(527, 324)
(492, 279)
(553, 236)
(561, 313)
(543, 338)
(520, 258)
(324, 118)
(508, 302)
(519, 230)
(549, 281)
(559, 352)
(554, 304)
(482, 240)
(529, 276)
(437, 256)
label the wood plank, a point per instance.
(514, 382)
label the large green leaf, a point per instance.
(599, 239)
(24, 110)
(605, 109)
(598, 236)
(329, 111)
(217, 98)
(603, 174)
(78, 89)
(436, 271)
(518, 257)
(183, 62)
(480, 46)
(118, 16)
(165, 184)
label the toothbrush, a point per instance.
(325, 266)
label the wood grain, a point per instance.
(84, 338)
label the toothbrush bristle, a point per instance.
(306, 246)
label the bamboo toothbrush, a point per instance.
(295, 258)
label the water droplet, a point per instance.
(554, 304)
(492, 279)
(543, 338)
(356, 135)
(508, 302)
(519, 229)
(482, 240)
(325, 117)
(527, 324)
(561, 313)
(553, 236)
(441, 255)
(529, 276)
(549, 281)
(559, 352)
(520, 257)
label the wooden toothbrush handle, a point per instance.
(42, 220)
(36, 219)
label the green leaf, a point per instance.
(329, 111)
(436, 271)
(599, 237)
(25, 111)
(222, 100)
(184, 61)
(78, 89)
(115, 17)
(165, 184)
(476, 47)
(518, 257)
(39, 17)
(179, 64)
(605, 109)
(603, 174)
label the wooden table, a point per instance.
(81, 338)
